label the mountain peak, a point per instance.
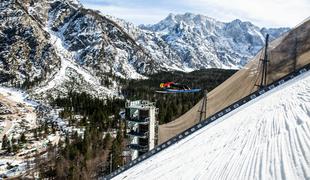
(65, 46)
(201, 41)
(236, 21)
(239, 22)
(170, 16)
(188, 17)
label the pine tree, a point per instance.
(14, 146)
(117, 150)
(35, 133)
(106, 140)
(23, 138)
(5, 142)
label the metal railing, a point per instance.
(207, 121)
(139, 120)
(138, 134)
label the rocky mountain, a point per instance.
(193, 41)
(26, 54)
(57, 45)
(54, 46)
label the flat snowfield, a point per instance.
(268, 138)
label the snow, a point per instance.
(67, 64)
(267, 138)
(53, 116)
(191, 41)
(20, 120)
(16, 95)
(22, 110)
(18, 167)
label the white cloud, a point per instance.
(134, 15)
(268, 13)
(260, 12)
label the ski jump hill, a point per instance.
(248, 133)
(266, 138)
(286, 54)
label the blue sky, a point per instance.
(264, 13)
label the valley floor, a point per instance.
(17, 116)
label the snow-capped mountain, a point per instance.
(199, 42)
(58, 45)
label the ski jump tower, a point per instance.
(141, 123)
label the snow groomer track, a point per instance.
(250, 166)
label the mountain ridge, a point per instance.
(232, 43)
(61, 37)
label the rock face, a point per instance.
(199, 42)
(26, 54)
(97, 42)
(57, 44)
(54, 46)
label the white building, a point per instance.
(141, 123)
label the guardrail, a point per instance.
(207, 121)
(138, 134)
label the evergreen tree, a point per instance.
(23, 138)
(35, 133)
(116, 151)
(77, 155)
(106, 140)
(5, 142)
(14, 145)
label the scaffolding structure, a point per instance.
(141, 123)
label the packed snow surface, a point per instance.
(267, 138)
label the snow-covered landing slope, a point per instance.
(267, 138)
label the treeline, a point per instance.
(83, 157)
(97, 152)
(96, 113)
(172, 106)
(87, 155)
(13, 145)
